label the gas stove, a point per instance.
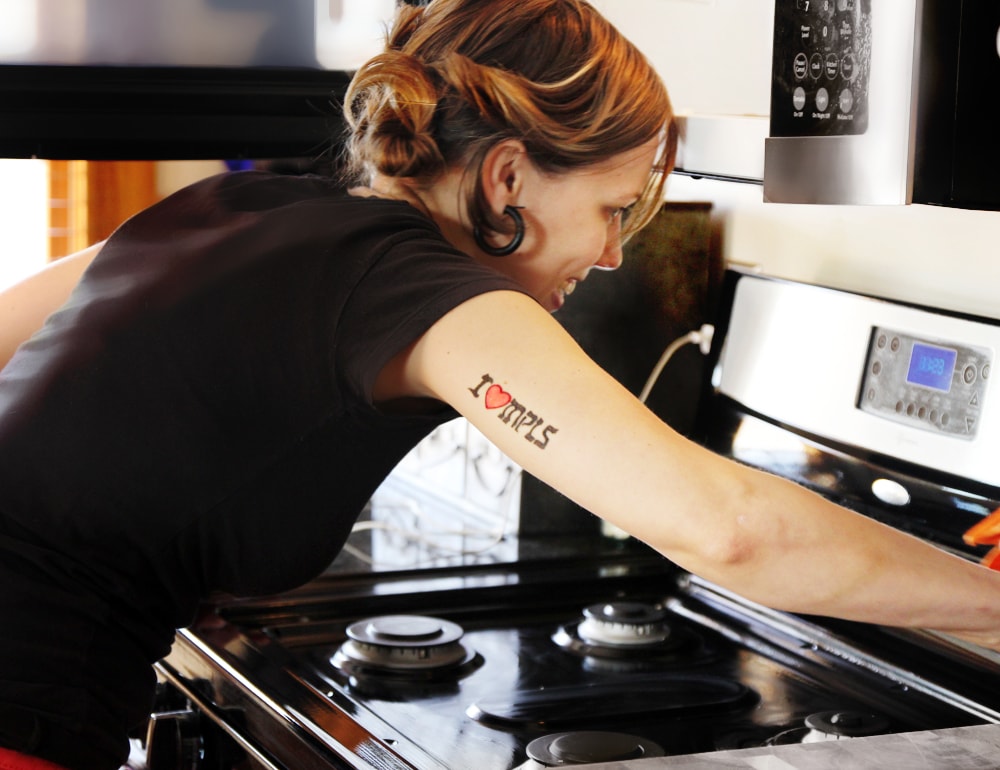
(572, 651)
(543, 664)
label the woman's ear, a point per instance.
(503, 174)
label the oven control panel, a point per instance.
(930, 384)
(910, 383)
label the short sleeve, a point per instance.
(408, 288)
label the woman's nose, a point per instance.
(611, 257)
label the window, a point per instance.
(52, 208)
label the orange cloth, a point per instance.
(14, 760)
(987, 532)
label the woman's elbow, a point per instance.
(735, 535)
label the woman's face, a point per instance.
(573, 223)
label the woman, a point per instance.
(241, 365)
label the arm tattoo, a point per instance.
(513, 413)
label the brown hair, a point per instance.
(458, 76)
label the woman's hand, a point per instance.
(988, 639)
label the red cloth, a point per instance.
(14, 760)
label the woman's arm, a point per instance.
(521, 380)
(25, 305)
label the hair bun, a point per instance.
(390, 110)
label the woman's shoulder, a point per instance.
(251, 191)
(266, 188)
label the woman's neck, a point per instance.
(442, 202)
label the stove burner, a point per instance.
(836, 725)
(623, 630)
(624, 623)
(832, 726)
(402, 644)
(583, 748)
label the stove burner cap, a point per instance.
(836, 725)
(404, 630)
(582, 748)
(624, 624)
(403, 642)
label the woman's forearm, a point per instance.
(25, 305)
(792, 549)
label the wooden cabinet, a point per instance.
(89, 199)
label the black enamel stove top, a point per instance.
(542, 664)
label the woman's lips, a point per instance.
(559, 295)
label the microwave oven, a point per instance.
(884, 101)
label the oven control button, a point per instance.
(799, 99)
(846, 101)
(890, 492)
(822, 100)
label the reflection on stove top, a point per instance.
(630, 656)
(668, 694)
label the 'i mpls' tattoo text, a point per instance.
(516, 415)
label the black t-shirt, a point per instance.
(198, 417)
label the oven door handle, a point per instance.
(175, 740)
(170, 735)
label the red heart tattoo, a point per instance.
(497, 397)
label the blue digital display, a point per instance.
(931, 367)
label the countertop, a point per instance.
(959, 748)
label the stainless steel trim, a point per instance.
(209, 710)
(279, 728)
(872, 168)
(811, 635)
(797, 353)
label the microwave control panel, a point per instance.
(820, 67)
(933, 385)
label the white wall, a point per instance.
(935, 256)
(715, 57)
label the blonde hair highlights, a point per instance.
(458, 76)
